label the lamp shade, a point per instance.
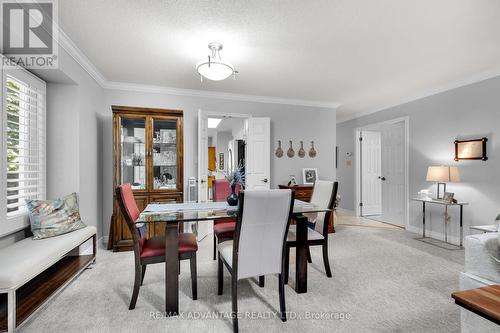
(443, 174)
(215, 70)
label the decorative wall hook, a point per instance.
(301, 153)
(279, 151)
(290, 153)
(312, 151)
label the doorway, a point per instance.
(226, 148)
(229, 141)
(382, 171)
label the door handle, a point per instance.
(382, 178)
(265, 180)
(202, 181)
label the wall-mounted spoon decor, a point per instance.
(301, 153)
(279, 151)
(312, 151)
(290, 153)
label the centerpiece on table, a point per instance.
(235, 177)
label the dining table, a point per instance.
(172, 215)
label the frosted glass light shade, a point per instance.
(443, 174)
(215, 71)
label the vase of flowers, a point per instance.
(235, 177)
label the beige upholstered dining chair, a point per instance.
(259, 242)
(324, 195)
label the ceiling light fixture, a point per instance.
(215, 69)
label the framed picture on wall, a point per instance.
(471, 149)
(309, 175)
(221, 161)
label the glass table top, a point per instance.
(206, 211)
(441, 202)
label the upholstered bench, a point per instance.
(32, 271)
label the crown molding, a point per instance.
(70, 47)
(217, 95)
(476, 78)
(67, 44)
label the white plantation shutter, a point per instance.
(23, 146)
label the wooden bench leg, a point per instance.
(11, 311)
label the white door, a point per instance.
(202, 227)
(393, 173)
(371, 189)
(202, 156)
(258, 158)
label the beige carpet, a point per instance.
(345, 219)
(383, 281)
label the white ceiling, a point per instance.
(363, 54)
(229, 124)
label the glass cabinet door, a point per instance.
(133, 151)
(164, 150)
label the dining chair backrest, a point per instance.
(129, 209)
(221, 189)
(263, 219)
(324, 195)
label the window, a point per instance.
(23, 146)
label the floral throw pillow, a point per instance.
(50, 218)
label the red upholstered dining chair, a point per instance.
(152, 250)
(223, 228)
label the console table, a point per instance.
(446, 204)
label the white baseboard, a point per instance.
(345, 211)
(433, 234)
(88, 247)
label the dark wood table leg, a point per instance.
(301, 255)
(172, 269)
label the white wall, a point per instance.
(435, 122)
(74, 102)
(238, 132)
(287, 123)
(74, 138)
(79, 136)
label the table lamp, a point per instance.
(442, 175)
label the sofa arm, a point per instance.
(482, 255)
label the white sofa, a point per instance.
(22, 261)
(481, 269)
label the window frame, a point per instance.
(12, 224)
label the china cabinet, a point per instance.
(148, 154)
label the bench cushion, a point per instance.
(27, 258)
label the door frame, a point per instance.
(358, 178)
(222, 115)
